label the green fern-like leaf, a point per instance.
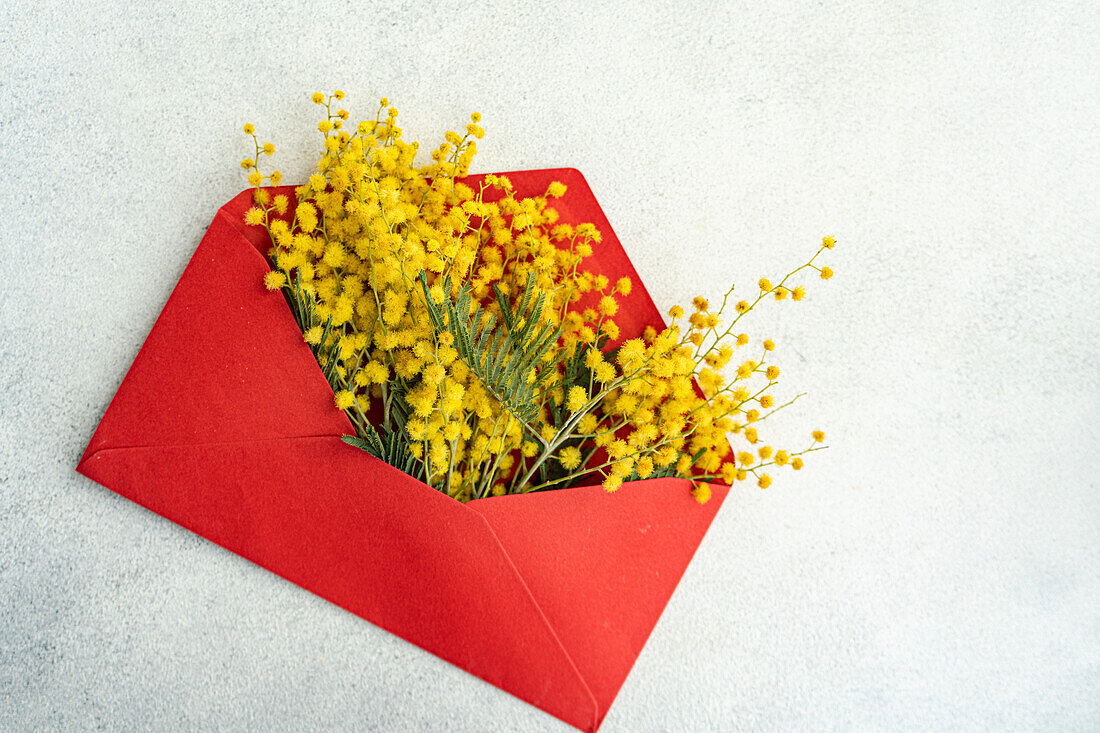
(502, 355)
(391, 447)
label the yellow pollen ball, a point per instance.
(569, 457)
(577, 398)
(344, 399)
(274, 280)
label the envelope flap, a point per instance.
(603, 566)
(578, 206)
(224, 362)
(357, 532)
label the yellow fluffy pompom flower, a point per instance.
(631, 352)
(555, 190)
(612, 483)
(274, 280)
(702, 493)
(377, 371)
(569, 458)
(577, 398)
(605, 372)
(344, 399)
(588, 424)
(255, 216)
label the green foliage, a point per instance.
(503, 355)
(392, 447)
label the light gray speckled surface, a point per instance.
(937, 569)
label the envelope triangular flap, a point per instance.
(579, 206)
(225, 361)
(603, 566)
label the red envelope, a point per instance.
(226, 426)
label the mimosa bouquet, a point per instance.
(484, 345)
(471, 347)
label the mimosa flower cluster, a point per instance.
(447, 318)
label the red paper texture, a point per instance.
(226, 426)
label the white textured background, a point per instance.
(937, 569)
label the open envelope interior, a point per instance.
(226, 426)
